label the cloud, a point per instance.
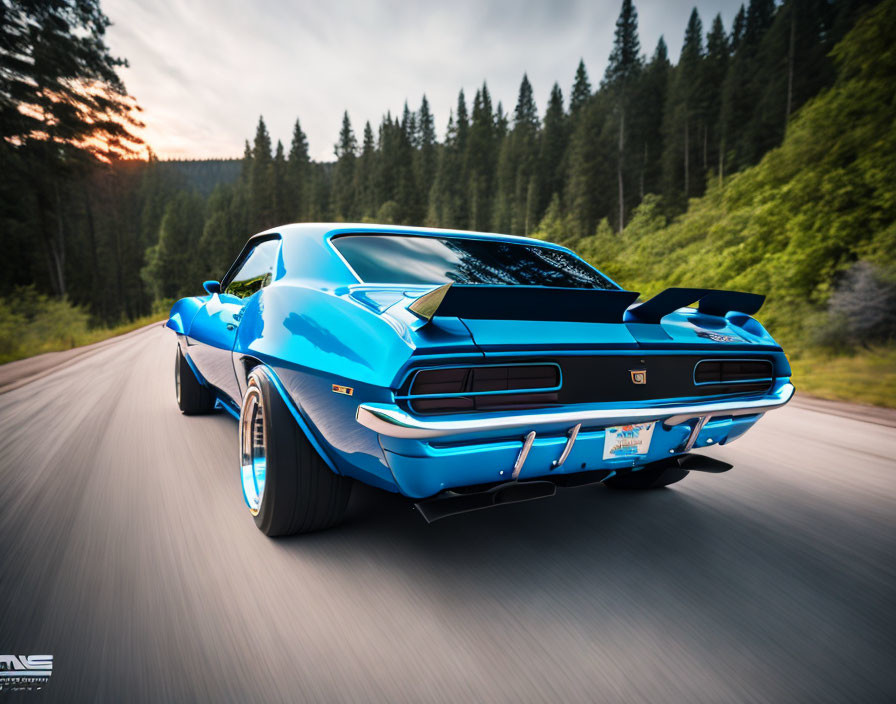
(204, 70)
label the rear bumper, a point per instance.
(429, 454)
(390, 420)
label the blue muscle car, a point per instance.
(460, 369)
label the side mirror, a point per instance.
(212, 286)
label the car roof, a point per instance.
(308, 253)
(325, 230)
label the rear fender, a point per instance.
(294, 410)
(191, 364)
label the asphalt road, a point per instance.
(127, 554)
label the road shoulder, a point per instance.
(857, 411)
(24, 371)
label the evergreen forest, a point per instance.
(763, 160)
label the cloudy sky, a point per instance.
(204, 70)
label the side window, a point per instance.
(256, 271)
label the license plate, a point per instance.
(627, 440)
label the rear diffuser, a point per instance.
(449, 503)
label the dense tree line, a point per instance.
(649, 127)
(63, 111)
(114, 234)
(812, 226)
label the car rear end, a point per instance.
(455, 425)
(563, 382)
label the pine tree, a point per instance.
(218, 242)
(459, 171)
(525, 138)
(738, 27)
(462, 121)
(525, 115)
(623, 70)
(715, 67)
(426, 154)
(681, 121)
(282, 209)
(581, 90)
(397, 197)
(175, 265)
(343, 196)
(591, 185)
(246, 165)
(409, 125)
(50, 52)
(439, 209)
(515, 209)
(554, 140)
(743, 86)
(446, 207)
(298, 173)
(410, 209)
(320, 193)
(366, 175)
(64, 108)
(261, 183)
(480, 161)
(792, 64)
(760, 15)
(647, 112)
(625, 58)
(502, 122)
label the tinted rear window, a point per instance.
(404, 259)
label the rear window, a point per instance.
(407, 259)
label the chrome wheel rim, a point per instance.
(253, 449)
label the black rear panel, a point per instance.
(610, 378)
(591, 379)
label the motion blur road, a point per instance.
(126, 552)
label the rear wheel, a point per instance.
(288, 487)
(647, 478)
(192, 397)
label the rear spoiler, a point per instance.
(710, 302)
(583, 305)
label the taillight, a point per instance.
(492, 387)
(734, 375)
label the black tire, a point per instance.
(647, 478)
(192, 397)
(301, 493)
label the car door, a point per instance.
(213, 330)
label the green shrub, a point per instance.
(31, 323)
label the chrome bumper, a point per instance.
(390, 420)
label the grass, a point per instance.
(868, 376)
(100, 334)
(32, 323)
(79, 338)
